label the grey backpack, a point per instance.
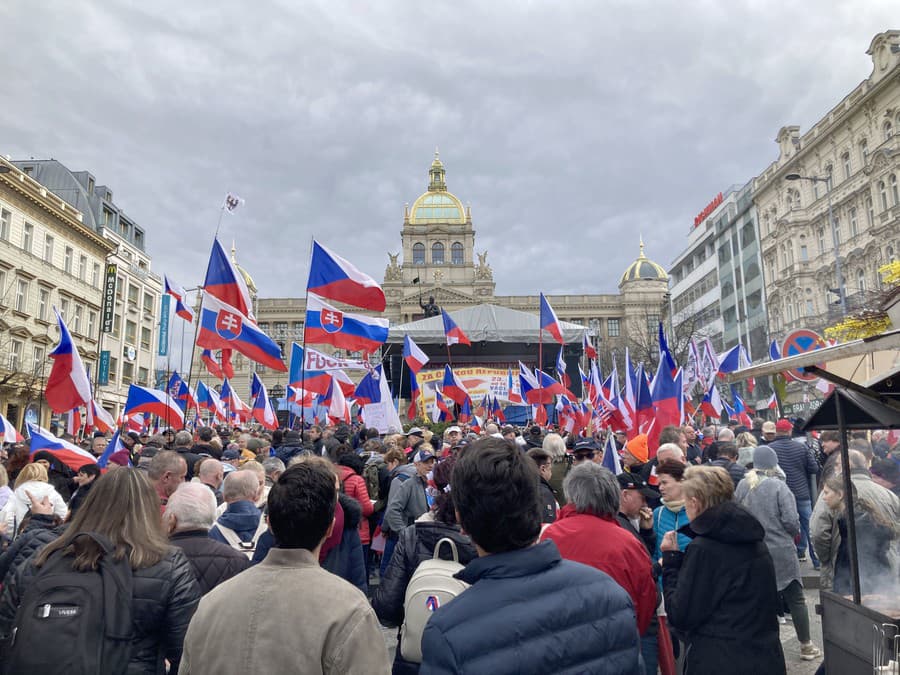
(431, 587)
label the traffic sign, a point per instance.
(799, 342)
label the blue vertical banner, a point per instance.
(164, 326)
(103, 369)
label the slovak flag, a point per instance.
(223, 281)
(354, 332)
(8, 433)
(415, 358)
(712, 403)
(67, 453)
(369, 388)
(153, 402)
(511, 394)
(178, 293)
(589, 350)
(454, 389)
(549, 322)
(335, 278)
(115, 445)
(68, 385)
(454, 333)
(262, 407)
(211, 365)
(223, 326)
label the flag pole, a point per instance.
(540, 363)
(303, 346)
(196, 333)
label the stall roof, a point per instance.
(860, 412)
(487, 323)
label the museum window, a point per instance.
(882, 190)
(5, 219)
(612, 328)
(845, 162)
(456, 254)
(21, 295)
(418, 254)
(437, 253)
(28, 238)
(652, 323)
(854, 223)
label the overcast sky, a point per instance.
(570, 127)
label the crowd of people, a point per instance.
(240, 550)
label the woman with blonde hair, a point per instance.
(745, 442)
(32, 482)
(554, 445)
(123, 507)
(729, 624)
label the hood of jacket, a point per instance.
(522, 562)
(355, 463)
(407, 469)
(352, 511)
(728, 523)
(242, 516)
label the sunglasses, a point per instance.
(584, 455)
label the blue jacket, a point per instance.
(666, 520)
(530, 611)
(242, 517)
(798, 463)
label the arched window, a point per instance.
(889, 253)
(870, 212)
(854, 223)
(861, 280)
(418, 253)
(456, 254)
(845, 162)
(893, 181)
(437, 253)
(882, 190)
(888, 130)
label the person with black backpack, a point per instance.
(110, 595)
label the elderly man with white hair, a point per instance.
(242, 523)
(190, 513)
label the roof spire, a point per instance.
(641, 239)
(436, 174)
(233, 251)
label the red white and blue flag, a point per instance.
(711, 406)
(223, 281)
(333, 277)
(316, 381)
(561, 369)
(512, 395)
(211, 364)
(223, 326)
(115, 445)
(773, 403)
(415, 358)
(68, 385)
(589, 351)
(98, 418)
(549, 322)
(262, 407)
(73, 422)
(441, 411)
(67, 453)
(465, 411)
(611, 456)
(153, 402)
(734, 359)
(412, 412)
(667, 403)
(8, 433)
(453, 387)
(328, 325)
(335, 403)
(179, 294)
(209, 400)
(369, 388)
(664, 352)
(453, 333)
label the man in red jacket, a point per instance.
(586, 531)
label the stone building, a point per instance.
(438, 259)
(49, 257)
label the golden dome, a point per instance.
(437, 205)
(251, 286)
(644, 269)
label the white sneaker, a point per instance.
(781, 620)
(809, 651)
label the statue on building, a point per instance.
(483, 269)
(393, 271)
(430, 308)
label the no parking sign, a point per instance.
(799, 342)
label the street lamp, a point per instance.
(834, 236)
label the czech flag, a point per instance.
(262, 408)
(711, 405)
(561, 369)
(454, 389)
(589, 350)
(336, 404)
(440, 412)
(511, 394)
(369, 388)
(415, 358)
(667, 403)
(98, 418)
(549, 322)
(734, 359)
(114, 446)
(209, 400)
(224, 282)
(68, 385)
(153, 402)
(328, 325)
(773, 403)
(412, 413)
(178, 293)
(497, 411)
(335, 278)
(8, 433)
(465, 411)
(643, 401)
(454, 333)
(664, 350)
(67, 453)
(611, 456)
(223, 326)
(73, 422)
(211, 365)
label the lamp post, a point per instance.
(834, 236)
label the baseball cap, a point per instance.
(422, 456)
(768, 427)
(628, 481)
(231, 453)
(585, 446)
(415, 431)
(783, 425)
(450, 430)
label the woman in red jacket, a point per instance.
(350, 467)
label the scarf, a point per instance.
(674, 506)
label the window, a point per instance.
(132, 294)
(456, 254)
(15, 354)
(113, 369)
(64, 308)
(298, 329)
(612, 328)
(854, 224)
(861, 280)
(882, 190)
(82, 267)
(28, 238)
(21, 295)
(92, 322)
(887, 130)
(43, 304)
(117, 325)
(127, 372)
(130, 331)
(5, 220)
(95, 276)
(804, 254)
(280, 329)
(870, 212)
(815, 189)
(845, 162)
(895, 195)
(76, 322)
(3, 288)
(889, 253)
(139, 238)
(652, 323)
(120, 286)
(148, 303)
(37, 359)
(143, 376)
(145, 337)
(48, 249)
(790, 311)
(864, 151)
(67, 260)
(418, 254)
(437, 253)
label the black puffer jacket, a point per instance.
(415, 545)
(212, 561)
(164, 598)
(40, 531)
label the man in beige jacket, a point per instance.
(287, 614)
